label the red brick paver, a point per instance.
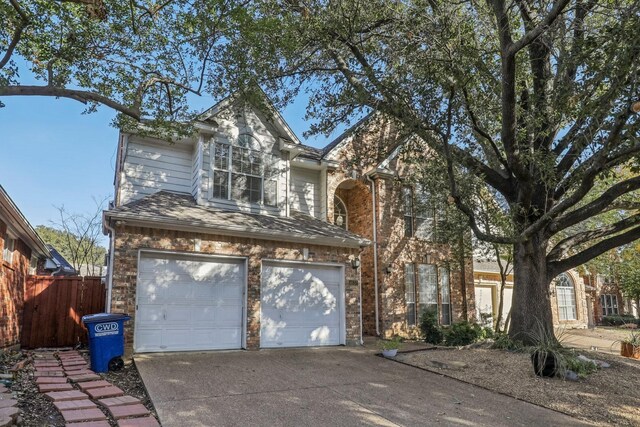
(74, 404)
(58, 396)
(99, 393)
(83, 377)
(127, 411)
(93, 384)
(54, 387)
(48, 368)
(119, 401)
(73, 362)
(51, 380)
(80, 371)
(139, 422)
(9, 412)
(90, 424)
(92, 414)
(44, 364)
(39, 374)
(6, 403)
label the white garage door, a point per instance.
(189, 303)
(484, 305)
(301, 305)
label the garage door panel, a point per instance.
(300, 305)
(150, 314)
(189, 303)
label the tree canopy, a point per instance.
(538, 100)
(140, 58)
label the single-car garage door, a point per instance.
(187, 302)
(301, 305)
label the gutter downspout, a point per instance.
(360, 297)
(375, 250)
(112, 244)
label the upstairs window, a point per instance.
(419, 213)
(407, 201)
(340, 216)
(243, 173)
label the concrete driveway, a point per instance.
(320, 387)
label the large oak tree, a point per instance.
(141, 58)
(537, 99)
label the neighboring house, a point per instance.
(57, 265)
(242, 237)
(569, 300)
(606, 297)
(22, 252)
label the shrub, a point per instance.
(580, 367)
(619, 320)
(431, 331)
(463, 333)
(503, 342)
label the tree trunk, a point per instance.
(503, 284)
(531, 309)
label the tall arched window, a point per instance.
(340, 216)
(565, 290)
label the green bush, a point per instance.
(580, 367)
(619, 320)
(503, 342)
(463, 333)
(431, 331)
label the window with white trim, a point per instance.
(445, 295)
(609, 305)
(8, 248)
(566, 297)
(427, 288)
(243, 173)
(410, 293)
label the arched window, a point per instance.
(565, 291)
(340, 216)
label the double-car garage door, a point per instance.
(187, 302)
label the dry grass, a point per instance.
(610, 396)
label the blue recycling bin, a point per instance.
(106, 340)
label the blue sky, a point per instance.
(52, 155)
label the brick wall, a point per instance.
(12, 283)
(394, 251)
(130, 239)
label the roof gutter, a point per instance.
(112, 245)
(27, 232)
(250, 233)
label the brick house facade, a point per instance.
(20, 250)
(192, 198)
(568, 297)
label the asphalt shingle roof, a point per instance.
(178, 210)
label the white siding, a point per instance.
(150, 167)
(196, 170)
(305, 191)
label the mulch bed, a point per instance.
(610, 396)
(37, 410)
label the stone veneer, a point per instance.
(129, 240)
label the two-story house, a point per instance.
(243, 237)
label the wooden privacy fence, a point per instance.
(54, 306)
